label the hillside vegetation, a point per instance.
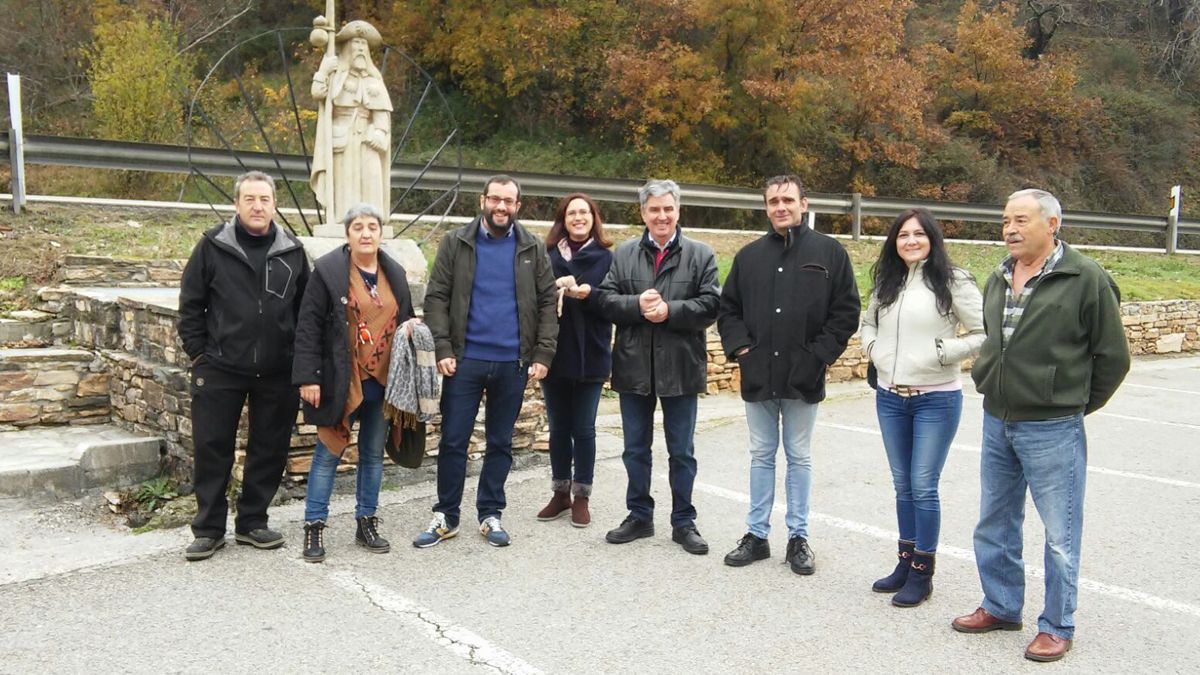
(947, 99)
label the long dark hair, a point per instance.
(558, 231)
(890, 270)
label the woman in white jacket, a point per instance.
(911, 335)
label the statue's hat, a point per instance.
(360, 29)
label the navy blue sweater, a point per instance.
(493, 333)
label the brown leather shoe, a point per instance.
(980, 621)
(580, 516)
(560, 505)
(1046, 647)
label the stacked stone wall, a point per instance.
(52, 387)
(1162, 327)
(89, 270)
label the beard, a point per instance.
(491, 221)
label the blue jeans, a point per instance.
(917, 432)
(679, 426)
(1050, 458)
(372, 431)
(571, 407)
(504, 383)
(763, 421)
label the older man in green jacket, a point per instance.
(1055, 351)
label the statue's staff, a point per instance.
(323, 36)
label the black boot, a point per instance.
(919, 585)
(314, 541)
(368, 535)
(895, 581)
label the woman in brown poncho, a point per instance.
(355, 304)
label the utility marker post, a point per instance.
(16, 142)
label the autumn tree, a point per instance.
(1024, 111)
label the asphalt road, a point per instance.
(76, 596)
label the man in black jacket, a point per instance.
(238, 303)
(788, 309)
(661, 292)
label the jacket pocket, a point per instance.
(806, 372)
(755, 371)
(1048, 383)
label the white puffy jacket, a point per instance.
(902, 339)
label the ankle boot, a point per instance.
(580, 516)
(895, 581)
(314, 541)
(919, 585)
(559, 504)
(367, 535)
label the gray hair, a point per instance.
(252, 177)
(360, 210)
(1046, 201)
(658, 188)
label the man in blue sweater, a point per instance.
(491, 307)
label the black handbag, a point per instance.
(405, 443)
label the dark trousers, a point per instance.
(217, 400)
(504, 382)
(679, 426)
(571, 408)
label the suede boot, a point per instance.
(895, 581)
(580, 516)
(919, 585)
(559, 504)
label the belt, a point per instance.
(904, 390)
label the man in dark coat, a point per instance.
(238, 302)
(662, 293)
(789, 306)
(491, 308)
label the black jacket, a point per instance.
(448, 296)
(669, 358)
(793, 301)
(239, 318)
(322, 342)
(584, 335)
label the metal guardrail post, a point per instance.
(16, 142)
(856, 216)
(1173, 219)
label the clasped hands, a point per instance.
(572, 289)
(653, 307)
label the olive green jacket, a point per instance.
(1068, 353)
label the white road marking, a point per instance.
(1120, 592)
(1150, 386)
(1091, 469)
(1131, 418)
(445, 632)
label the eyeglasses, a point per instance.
(494, 200)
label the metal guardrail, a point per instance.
(122, 155)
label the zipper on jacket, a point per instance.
(895, 357)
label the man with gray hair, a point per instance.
(662, 293)
(1055, 351)
(238, 301)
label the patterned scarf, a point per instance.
(413, 386)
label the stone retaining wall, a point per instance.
(52, 387)
(1162, 327)
(90, 270)
(151, 388)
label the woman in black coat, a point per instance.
(580, 257)
(356, 302)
